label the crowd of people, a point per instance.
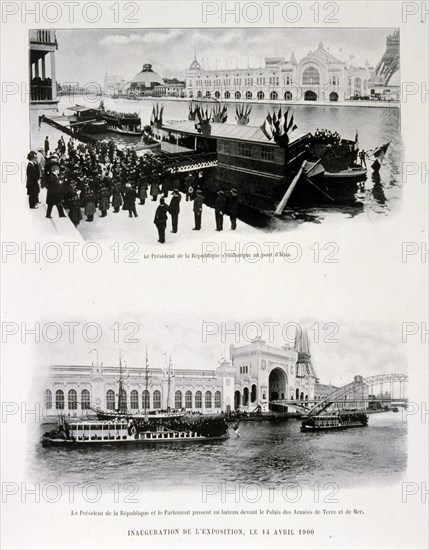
(83, 178)
(41, 88)
(326, 136)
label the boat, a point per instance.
(126, 432)
(336, 421)
(264, 164)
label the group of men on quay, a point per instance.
(82, 177)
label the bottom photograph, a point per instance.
(267, 402)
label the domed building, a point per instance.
(146, 80)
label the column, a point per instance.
(53, 76)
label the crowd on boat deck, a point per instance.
(83, 178)
(326, 136)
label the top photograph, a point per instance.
(172, 135)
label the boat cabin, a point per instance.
(246, 159)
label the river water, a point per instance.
(268, 452)
(375, 126)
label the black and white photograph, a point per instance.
(270, 127)
(276, 406)
(214, 267)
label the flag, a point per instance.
(266, 128)
(379, 156)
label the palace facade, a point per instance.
(255, 375)
(319, 76)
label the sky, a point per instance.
(86, 55)
(367, 349)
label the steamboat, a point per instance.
(122, 431)
(99, 120)
(336, 421)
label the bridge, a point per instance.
(358, 394)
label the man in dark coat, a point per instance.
(189, 186)
(198, 209)
(161, 220)
(233, 208)
(219, 206)
(46, 145)
(174, 209)
(54, 195)
(130, 200)
(33, 175)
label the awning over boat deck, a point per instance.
(228, 131)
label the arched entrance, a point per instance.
(277, 383)
(237, 95)
(237, 399)
(249, 95)
(274, 95)
(288, 95)
(310, 96)
(333, 96)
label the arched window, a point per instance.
(85, 399)
(358, 85)
(297, 393)
(311, 76)
(253, 393)
(288, 95)
(208, 93)
(249, 94)
(178, 399)
(198, 400)
(72, 400)
(246, 396)
(59, 399)
(227, 95)
(134, 400)
(237, 95)
(302, 396)
(110, 400)
(122, 400)
(218, 400)
(48, 399)
(208, 400)
(191, 94)
(156, 399)
(146, 400)
(274, 95)
(188, 399)
(217, 94)
(260, 95)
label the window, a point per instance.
(72, 400)
(260, 95)
(274, 95)
(311, 76)
(267, 153)
(198, 400)
(146, 399)
(223, 147)
(48, 399)
(134, 400)
(110, 400)
(217, 399)
(249, 95)
(244, 150)
(208, 400)
(59, 399)
(237, 95)
(156, 399)
(188, 399)
(85, 399)
(227, 95)
(178, 399)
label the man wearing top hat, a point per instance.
(174, 209)
(161, 220)
(233, 208)
(219, 206)
(198, 209)
(54, 195)
(33, 175)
